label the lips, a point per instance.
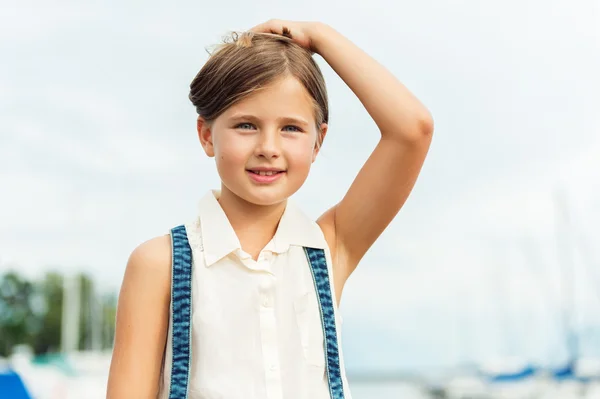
(265, 172)
(265, 175)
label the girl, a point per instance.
(243, 301)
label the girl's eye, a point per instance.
(245, 126)
(294, 128)
(249, 126)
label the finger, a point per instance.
(257, 29)
(273, 26)
(265, 27)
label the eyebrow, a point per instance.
(285, 119)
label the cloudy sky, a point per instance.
(98, 153)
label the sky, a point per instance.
(98, 153)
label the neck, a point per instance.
(254, 225)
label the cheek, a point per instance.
(229, 151)
(300, 155)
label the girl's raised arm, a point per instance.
(387, 178)
(142, 322)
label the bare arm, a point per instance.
(388, 176)
(142, 322)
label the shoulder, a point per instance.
(149, 266)
(153, 255)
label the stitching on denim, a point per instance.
(318, 265)
(181, 307)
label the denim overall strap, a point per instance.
(318, 266)
(181, 308)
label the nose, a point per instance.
(268, 145)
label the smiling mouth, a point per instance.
(266, 172)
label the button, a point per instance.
(265, 302)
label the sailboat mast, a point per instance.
(566, 263)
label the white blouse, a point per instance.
(256, 325)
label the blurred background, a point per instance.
(486, 285)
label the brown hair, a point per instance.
(248, 62)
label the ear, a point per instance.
(205, 135)
(319, 142)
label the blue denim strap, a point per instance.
(318, 266)
(181, 308)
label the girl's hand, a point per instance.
(303, 33)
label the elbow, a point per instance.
(419, 131)
(426, 125)
(423, 126)
(416, 128)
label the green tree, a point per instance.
(18, 321)
(31, 313)
(48, 337)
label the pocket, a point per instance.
(308, 319)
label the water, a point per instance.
(550, 390)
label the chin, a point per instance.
(264, 195)
(265, 198)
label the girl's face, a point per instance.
(265, 144)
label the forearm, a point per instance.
(395, 110)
